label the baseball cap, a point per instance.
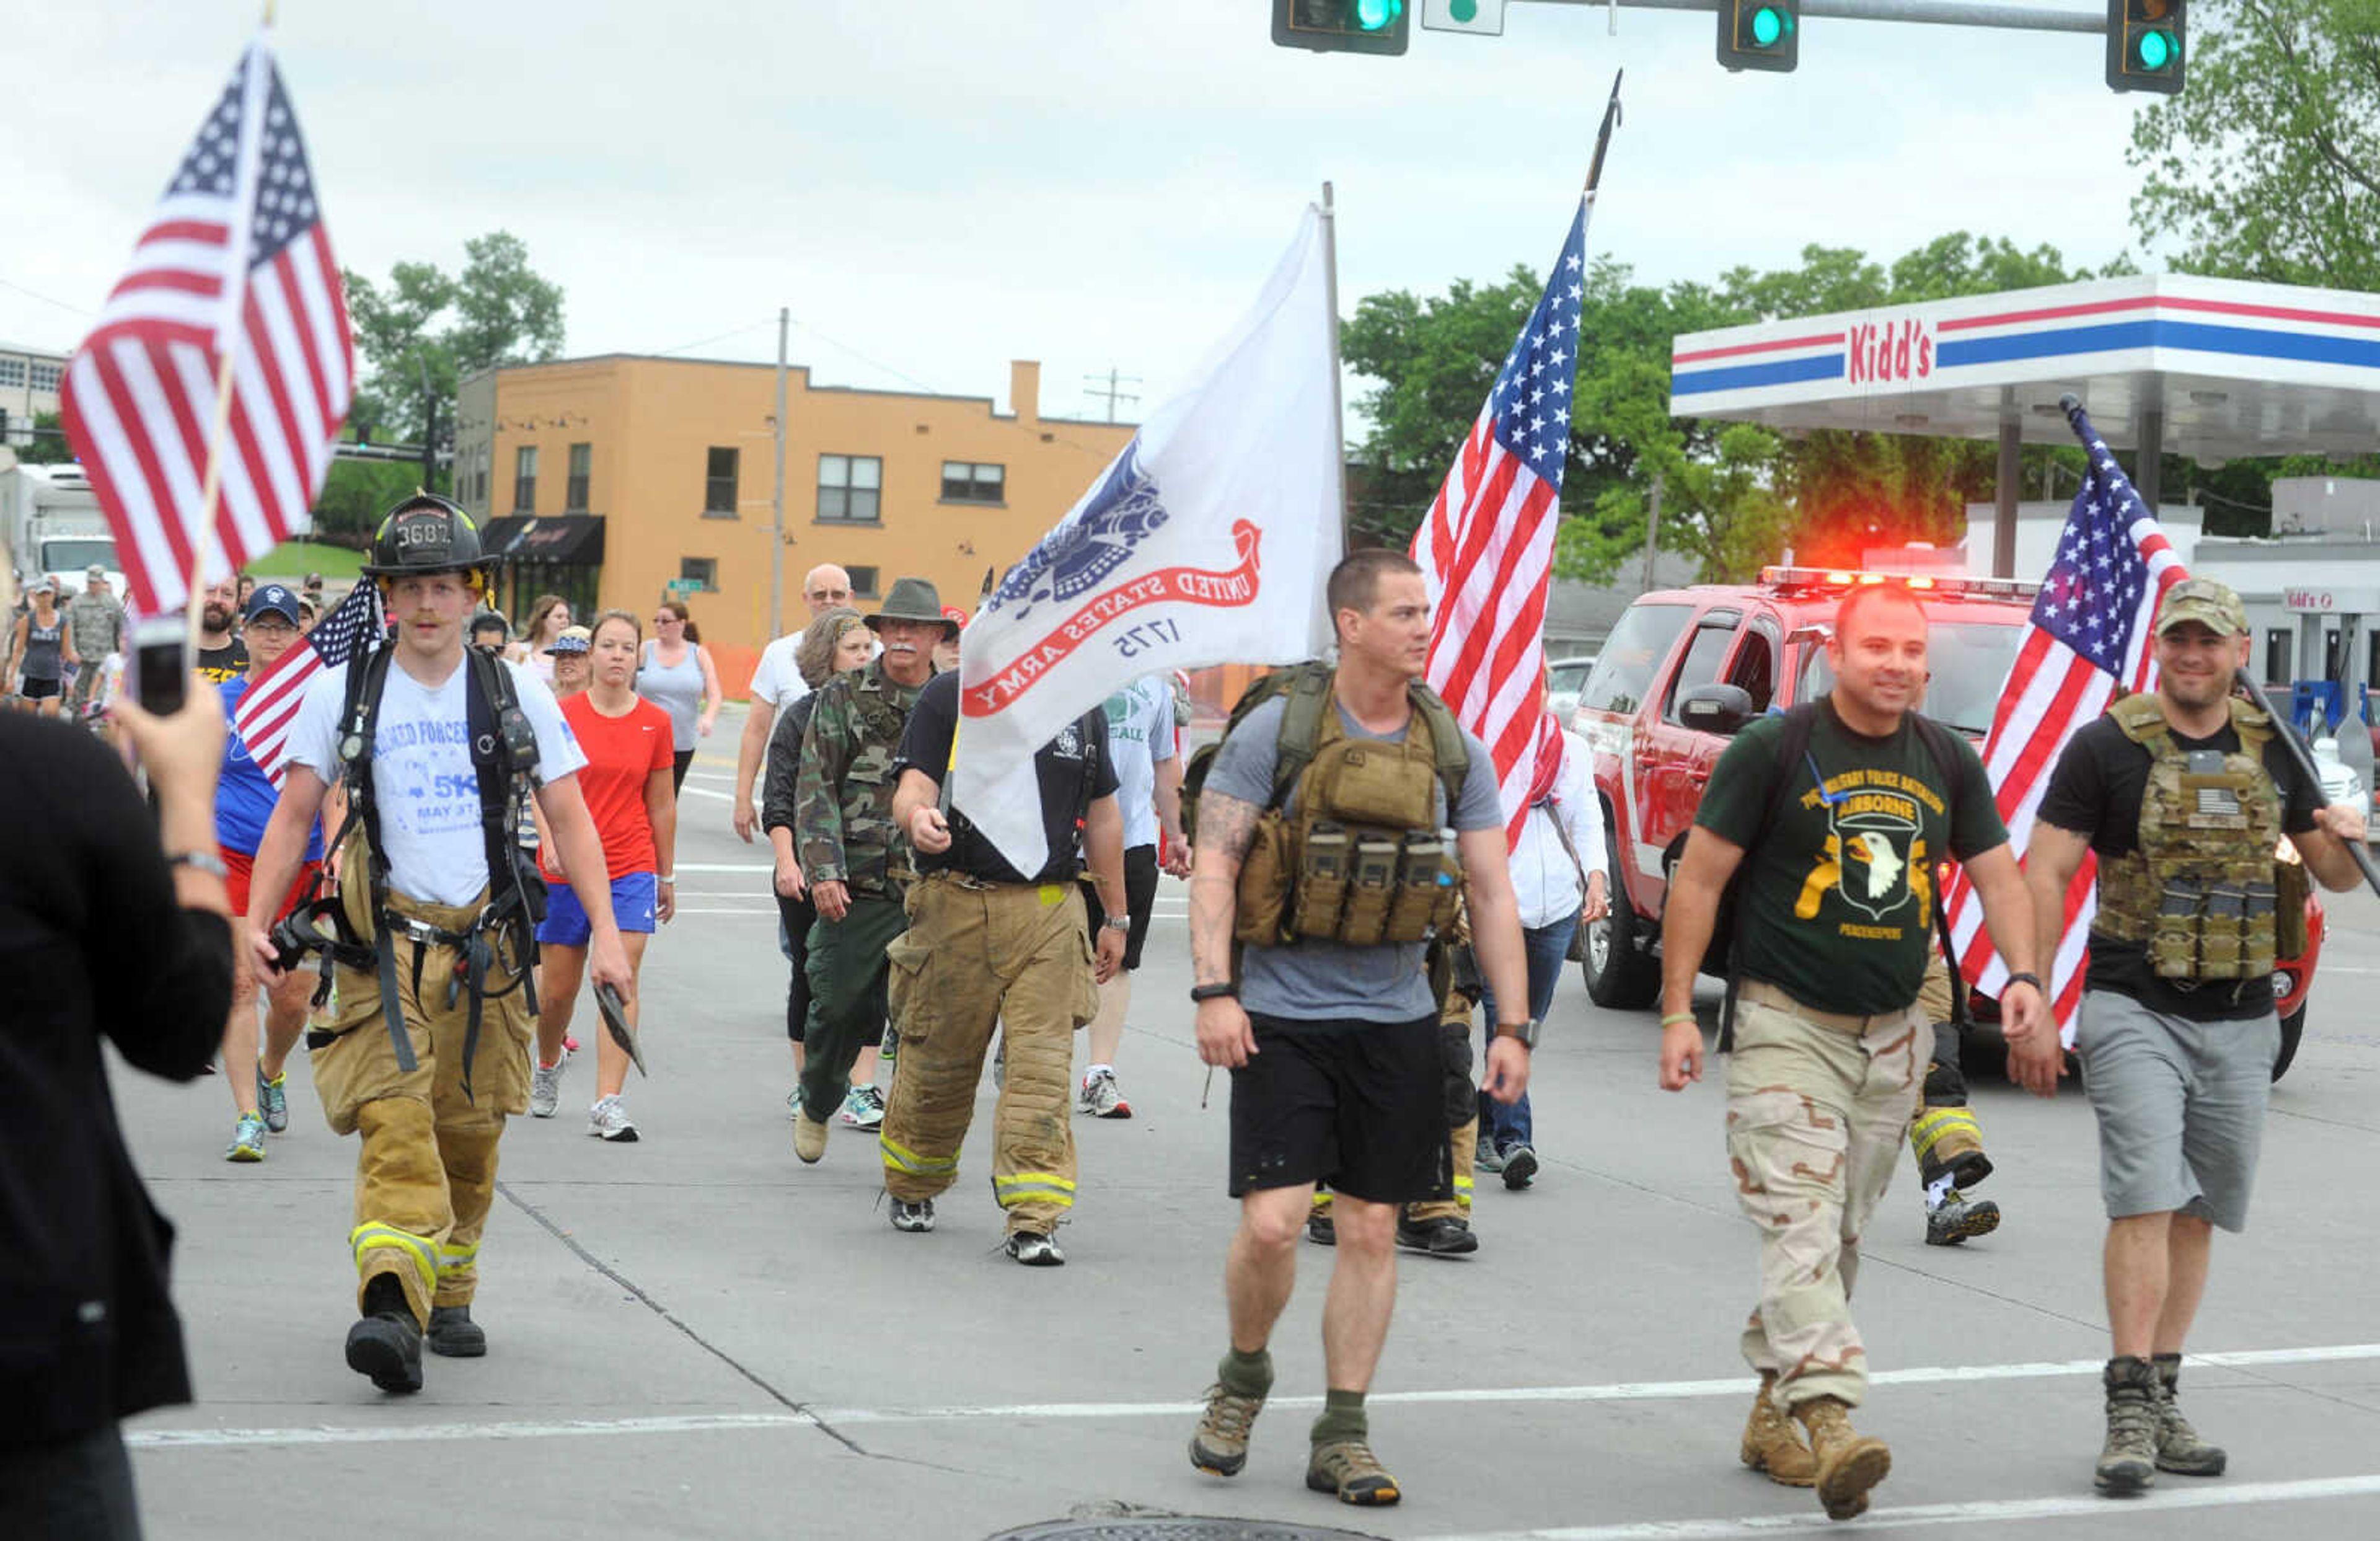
(954, 615)
(574, 640)
(95, 573)
(41, 585)
(2211, 604)
(273, 598)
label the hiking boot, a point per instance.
(608, 1120)
(454, 1334)
(1321, 1229)
(1100, 1098)
(1220, 1446)
(1485, 1157)
(2178, 1448)
(1772, 1444)
(1347, 1468)
(809, 1137)
(1957, 1218)
(273, 1100)
(247, 1139)
(1035, 1250)
(907, 1215)
(1520, 1167)
(386, 1344)
(863, 1107)
(545, 1088)
(2128, 1461)
(1847, 1463)
(1442, 1237)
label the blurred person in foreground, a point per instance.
(87, 1334)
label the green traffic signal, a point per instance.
(1341, 26)
(2155, 49)
(1768, 26)
(1759, 34)
(2147, 44)
(1374, 15)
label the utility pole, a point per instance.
(1113, 390)
(1652, 531)
(429, 429)
(777, 498)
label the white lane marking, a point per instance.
(724, 867)
(1984, 1512)
(1639, 1390)
(706, 792)
(752, 913)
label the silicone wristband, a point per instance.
(1672, 1018)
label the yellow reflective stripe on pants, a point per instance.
(1937, 1124)
(372, 1233)
(453, 1258)
(1462, 1187)
(900, 1158)
(1025, 1186)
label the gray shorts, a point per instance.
(2181, 1106)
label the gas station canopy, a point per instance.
(2212, 369)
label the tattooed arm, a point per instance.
(1226, 826)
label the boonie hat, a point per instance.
(274, 598)
(574, 640)
(2211, 604)
(914, 599)
(95, 573)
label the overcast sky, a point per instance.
(936, 187)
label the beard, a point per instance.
(215, 617)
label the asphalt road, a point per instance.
(695, 1336)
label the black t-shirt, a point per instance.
(2096, 790)
(1837, 901)
(1077, 754)
(226, 662)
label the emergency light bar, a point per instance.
(1786, 580)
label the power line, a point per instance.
(36, 294)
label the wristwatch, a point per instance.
(2032, 980)
(1116, 923)
(1210, 992)
(201, 861)
(1525, 1031)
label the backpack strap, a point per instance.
(1309, 695)
(365, 686)
(1446, 748)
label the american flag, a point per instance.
(268, 707)
(2087, 644)
(234, 261)
(1486, 548)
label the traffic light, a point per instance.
(1341, 26)
(2144, 45)
(1763, 34)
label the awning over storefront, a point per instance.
(570, 539)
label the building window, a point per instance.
(965, 483)
(46, 378)
(719, 483)
(863, 582)
(482, 473)
(12, 371)
(850, 490)
(2280, 660)
(582, 466)
(703, 570)
(525, 479)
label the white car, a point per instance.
(2339, 782)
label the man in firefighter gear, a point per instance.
(1336, 829)
(1946, 1138)
(989, 945)
(851, 851)
(2185, 795)
(420, 1042)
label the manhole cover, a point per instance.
(1178, 1528)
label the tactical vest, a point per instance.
(2204, 892)
(1367, 859)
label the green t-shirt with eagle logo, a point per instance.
(1836, 905)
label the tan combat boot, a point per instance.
(1849, 1462)
(1772, 1444)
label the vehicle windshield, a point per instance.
(1969, 661)
(71, 557)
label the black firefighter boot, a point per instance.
(386, 1344)
(454, 1334)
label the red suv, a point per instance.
(1668, 664)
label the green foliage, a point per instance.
(40, 441)
(2268, 164)
(424, 329)
(293, 560)
(355, 493)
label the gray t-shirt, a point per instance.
(1327, 980)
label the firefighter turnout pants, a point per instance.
(977, 955)
(1461, 1115)
(426, 1171)
(1947, 1139)
(1817, 1109)
(847, 976)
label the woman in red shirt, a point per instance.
(631, 796)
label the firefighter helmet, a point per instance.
(425, 534)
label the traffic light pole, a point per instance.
(1939, 13)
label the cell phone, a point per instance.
(161, 663)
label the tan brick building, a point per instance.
(608, 478)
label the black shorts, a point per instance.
(1140, 897)
(679, 760)
(42, 690)
(1358, 1105)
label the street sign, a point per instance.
(1485, 18)
(681, 588)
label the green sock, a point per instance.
(1246, 1375)
(1342, 1418)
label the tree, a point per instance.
(2267, 166)
(424, 331)
(354, 494)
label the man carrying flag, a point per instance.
(2183, 793)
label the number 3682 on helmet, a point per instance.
(426, 534)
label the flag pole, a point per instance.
(1338, 409)
(1603, 136)
(209, 493)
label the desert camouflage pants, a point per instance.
(1816, 1117)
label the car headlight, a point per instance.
(2287, 853)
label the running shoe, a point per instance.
(913, 1217)
(545, 1088)
(1100, 1098)
(273, 1100)
(248, 1139)
(608, 1120)
(1520, 1168)
(1487, 1158)
(863, 1107)
(1035, 1250)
